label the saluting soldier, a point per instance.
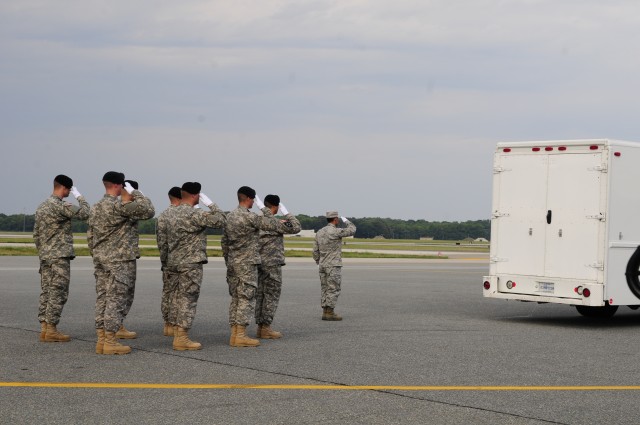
(327, 253)
(54, 240)
(270, 270)
(114, 257)
(186, 253)
(241, 250)
(144, 208)
(168, 282)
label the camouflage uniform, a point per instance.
(169, 281)
(240, 246)
(327, 252)
(133, 238)
(270, 270)
(54, 240)
(186, 251)
(113, 254)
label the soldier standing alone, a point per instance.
(114, 258)
(327, 252)
(270, 269)
(54, 241)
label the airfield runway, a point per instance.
(418, 344)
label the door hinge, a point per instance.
(497, 170)
(498, 259)
(498, 214)
(598, 266)
(602, 168)
(599, 216)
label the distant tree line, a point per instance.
(368, 227)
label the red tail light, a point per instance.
(586, 293)
(487, 285)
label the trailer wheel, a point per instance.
(603, 312)
(633, 272)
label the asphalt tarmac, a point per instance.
(418, 344)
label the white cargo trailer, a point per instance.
(565, 224)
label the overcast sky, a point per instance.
(374, 108)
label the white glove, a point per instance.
(258, 202)
(205, 200)
(283, 209)
(196, 207)
(344, 219)
(128, 188)
(75, 193)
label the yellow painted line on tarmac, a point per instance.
(317, 387)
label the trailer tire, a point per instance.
(603, 312)
(633, 272)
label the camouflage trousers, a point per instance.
(188, 280)
(169, 288)
(330, 281)
(131, 289)
(243, 283)
(268, 294)
(112, 286)
(54, 281)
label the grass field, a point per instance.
(295, 247)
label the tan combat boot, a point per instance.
(112, 346)
(330, 315)
(43, 330)
(265, 332)
(123, 333)
(168, 329)
(242, 340)
(100, 343)
(181, 341)
(52, 334)
(234, 332)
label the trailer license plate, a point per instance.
(546, 287)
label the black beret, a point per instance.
(192, 187)
(113, 177)
(133, 183)
(247, 191)
(63, 180)
(175, 192)
(273, 200)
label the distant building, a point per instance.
(480, 240)
(426, 238)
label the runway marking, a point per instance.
(318, 387)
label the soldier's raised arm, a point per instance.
(214, 218)
(292, 222)
(350, 230)
(140, 208)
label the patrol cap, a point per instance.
(133, 183)
(63, 180)
(273, 200)
(247, 191)
(113, 177)
(332, 214)
(175, 192)
(192, 187)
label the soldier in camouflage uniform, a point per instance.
(169, 282)
(240, 247)
(114, 257)
(133, 238)
(270, 269)
(186, 252)
(327, 253)
(54, 241)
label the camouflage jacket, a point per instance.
(327, 248)
(241, 239)
(184, 237)
(161, 234)
(109, 235)
(52, 230)
(272, 242)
